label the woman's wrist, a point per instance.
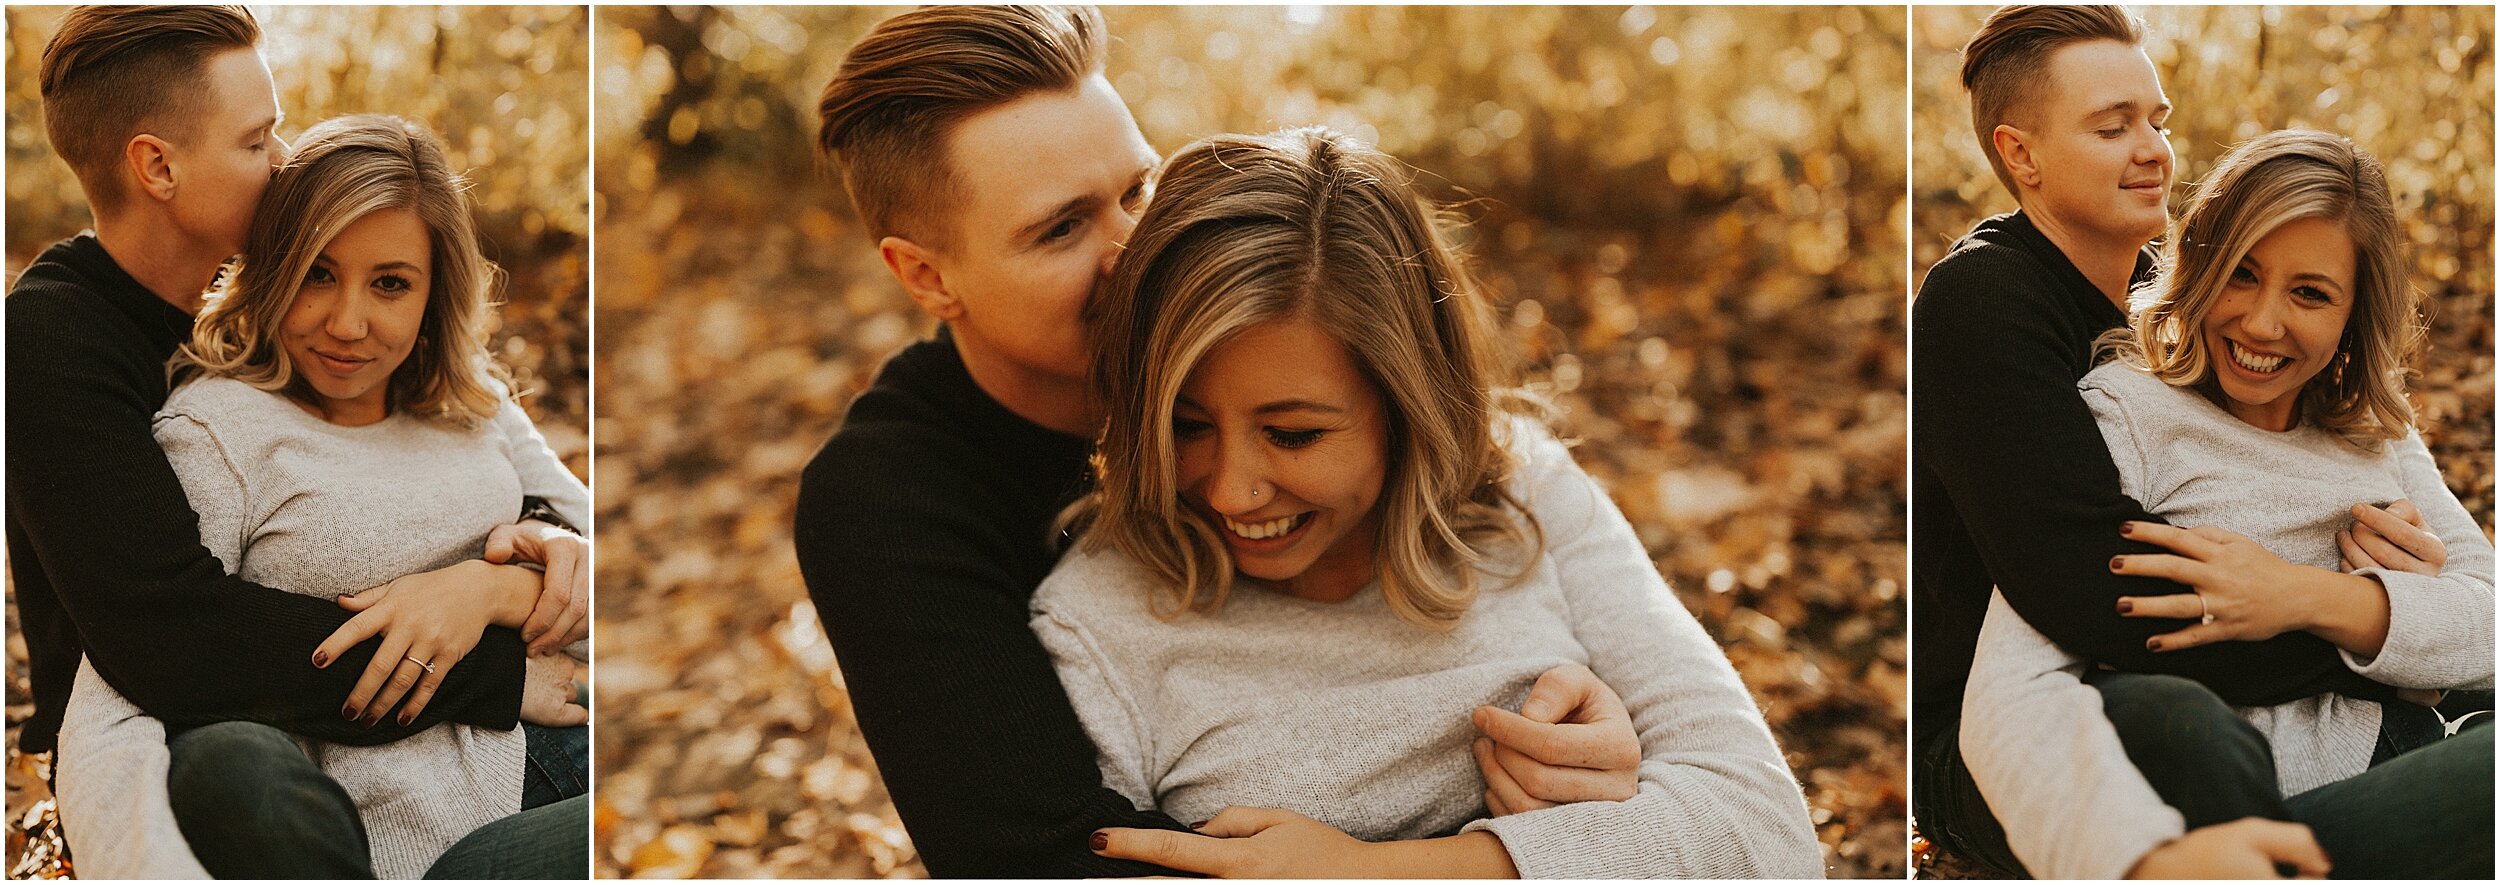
(510, 592)
(2347, 610)
(1476, 855)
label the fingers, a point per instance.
(1554, 784)
(502, 544)
(566, 567)
(2355, 558)
(424, 692)
(1180, 851)
(357, 629)
(2168, 605)
(386, 660)
(1558, 692)
(553, 599)
(1237, 821)
(2402, 508)
(2292, 844)
(2191, 637)
(568, 716)
(2395, 542)
(1502, 793)
(2179, 569)
(2197, 543)
(404, 679)
(1570, 745)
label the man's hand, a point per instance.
(1571, 741)
(2391, 538)
(562, 615)
(548, 692)
(2248, 848)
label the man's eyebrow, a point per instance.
(1034, 230)
(2124, 105)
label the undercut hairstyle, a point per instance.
(2005, 64)
(341, 170)
(886, 117)
(1310, 225)
(112, 73)
(2261, 185)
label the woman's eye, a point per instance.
(1188, 427)
(1292, 439)
(2243, 275)
(318, 276)
(393, 285)
(2312, 294)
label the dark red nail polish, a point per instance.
(2154, 644)
(2126, 528)
(1200, 825)
(348, 712)
(2117, 562)
(321, 659)
(405, 718)
(2126, 607)
(1100, 841)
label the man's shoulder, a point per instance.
(1988, 267)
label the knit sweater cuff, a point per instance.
(2416, 653)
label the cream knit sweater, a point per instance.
(2038, 746)
(1344, 713)
(291, 501)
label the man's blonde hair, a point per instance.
(885, 117)
(112, 73)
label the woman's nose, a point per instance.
(1239, 483)
(347, 320)
(2264, 319)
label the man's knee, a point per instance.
(239, 771)
(2171, 715)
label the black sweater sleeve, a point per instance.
(2000, 424)
(983, 755)
(93, 499)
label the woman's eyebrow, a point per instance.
(1297, 405)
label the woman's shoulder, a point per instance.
(219, 400)
(1095, 581)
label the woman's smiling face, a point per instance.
(2280, 319)
(1283, 446)
(357, 313)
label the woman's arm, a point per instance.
(2439, 632)
(1716, 798)
(2049, 763)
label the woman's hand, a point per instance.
(2243, 592)
(427, 622)
(2392, 538)
(561, 615)
(1272, 843)
(548, 692)
(1571, 741)
(2248, 848)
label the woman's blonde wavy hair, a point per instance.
(1304, 224)
(2261, 185)
(340, 170)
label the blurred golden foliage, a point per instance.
(2411, 84)
(507, 89)
(1692, 218)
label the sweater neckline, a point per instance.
(2031, 240)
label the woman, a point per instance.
(1321, 540)
(341, 425)
(2258, 397)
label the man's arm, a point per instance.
(1999, 422)
(95, 500)
(980, 749)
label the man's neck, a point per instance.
(173, 267)
(1060, 404)
(2109, 266)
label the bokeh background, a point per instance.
(2411, 84)
(1693, 220)
(507, 88)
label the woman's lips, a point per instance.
(340, 364)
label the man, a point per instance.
(168, 118)
(999, 173)
(2014, 486)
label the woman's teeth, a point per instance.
(2253, 362)
(1260, 531)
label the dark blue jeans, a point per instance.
(547, 842)
(253, 806)
(559, 764)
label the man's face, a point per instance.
(223, 162)
(1052, 184)
(2095, 134)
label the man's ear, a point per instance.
(149, 161)
(915, 266)
(2014, 148)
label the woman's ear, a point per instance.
(2015, 148)
(149, 160)
(915, 266)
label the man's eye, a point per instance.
(1060, 231)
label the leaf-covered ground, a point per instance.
(1692, 220)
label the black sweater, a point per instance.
(923, 529)
(106, 551)
(2013, 486)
